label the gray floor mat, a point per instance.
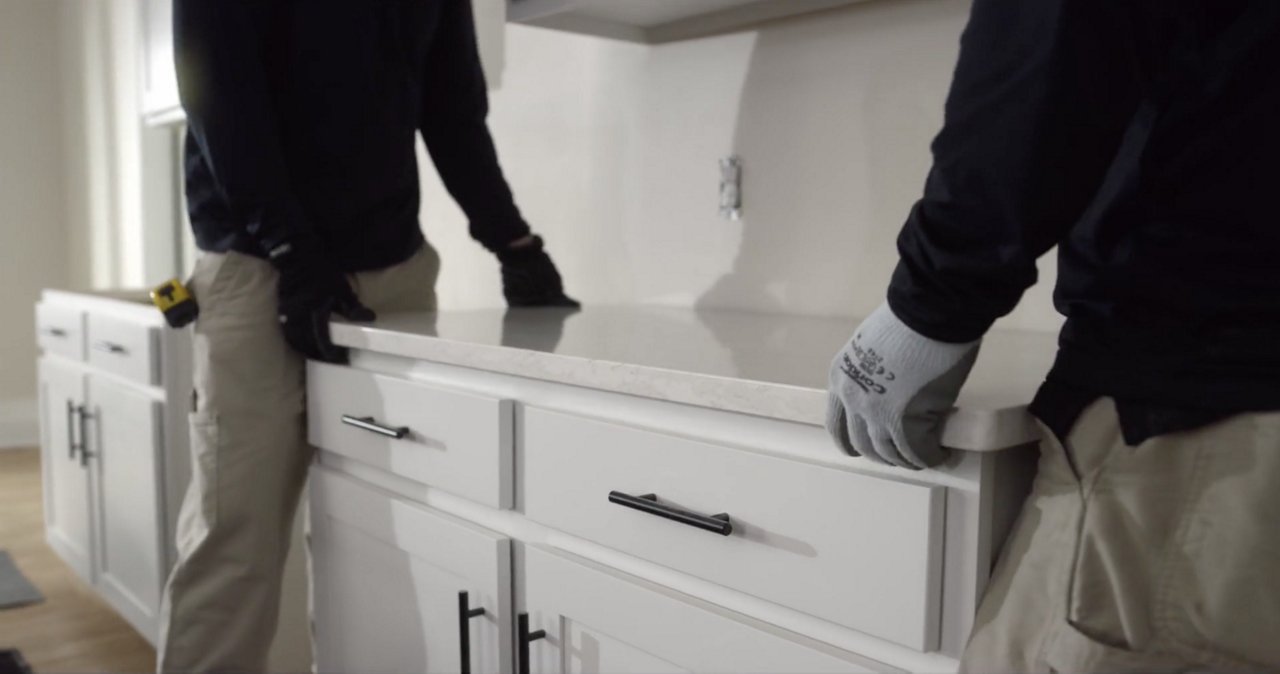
(15, 589)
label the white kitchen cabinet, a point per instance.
(673, 509)
(67, 514)
(658, 21)
(125, 442)
(584, 618)
(115, 387)
(401, 588)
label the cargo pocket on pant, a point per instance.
(199, 512)
(1109, 581)
(1070, 650)
(1219, 598)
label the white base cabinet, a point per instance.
(115, 395)
(114, 388)
(641, 535)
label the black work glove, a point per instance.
(530, 279)
(312, 290)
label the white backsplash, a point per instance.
(612, 150)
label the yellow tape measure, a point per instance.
(175, 302)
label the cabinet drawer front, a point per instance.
(124, 347)
(387, 581)
(457, 441)
(60, 330)
(861, 551)
(599, 620)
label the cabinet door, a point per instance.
(124, 446)
(66, 480)
(597, 620)
(387, 581)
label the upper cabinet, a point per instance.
(160, 104)
(657, 21)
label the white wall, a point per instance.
(611, 149)
(72, 180)
(33, 234)
(83, 186)
(107, 177)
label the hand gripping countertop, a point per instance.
(770, 365)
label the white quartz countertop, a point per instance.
(763, 364)
(133, 303)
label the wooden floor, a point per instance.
(73, 630)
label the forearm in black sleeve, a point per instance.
(454, 107)
(1040, 100)
(218, 46)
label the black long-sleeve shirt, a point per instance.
(1143, 138)
(302, 117)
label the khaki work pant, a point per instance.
(249, 459)
(1159, 558)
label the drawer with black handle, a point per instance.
(60, 330)
(856, 549)
(124, 347)
(458, 441)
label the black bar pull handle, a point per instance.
(465, 614)
(110, 347)
(84, 435)
(648, 503)
(72, 445)
(369, 424)
(56, 332)
(525, 637)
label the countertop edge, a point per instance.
(975, 430)
(134, 304)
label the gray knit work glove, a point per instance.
(891, 389)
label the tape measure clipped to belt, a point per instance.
(175, 302)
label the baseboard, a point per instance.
(19, 424)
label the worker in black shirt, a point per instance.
(303, 192)
(1141, 137)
